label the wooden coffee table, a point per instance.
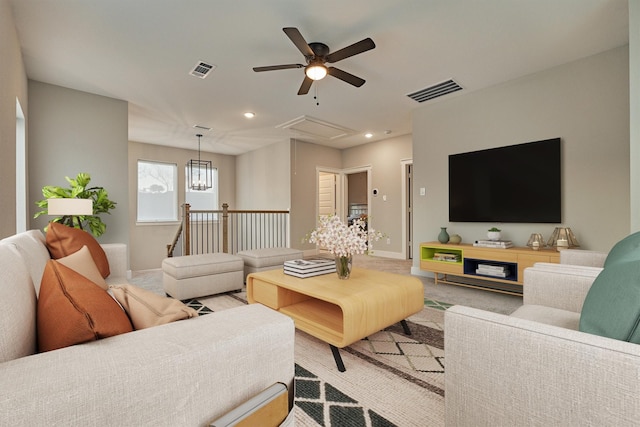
(339, 312)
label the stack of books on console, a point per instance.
(304, 268)
(493, 270)
(500, 244)
(441, 256)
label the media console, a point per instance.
(459, 265)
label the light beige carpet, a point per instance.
(390, 380)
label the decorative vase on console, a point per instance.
(443, 237)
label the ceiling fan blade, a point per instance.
(346, 77)
(298, 40)
(277, 67)
(305, 86)
(354, 49)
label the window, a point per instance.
(157, 191)
(21, 171)
(204, 200)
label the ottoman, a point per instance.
(267, 258)
(193, 276)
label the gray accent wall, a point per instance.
(305, 159)
(586, 103)
(71, 132)
(13, 85)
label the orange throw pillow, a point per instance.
(63, 241)
(73, 310)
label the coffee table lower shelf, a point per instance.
(335, 311)
(318, 318)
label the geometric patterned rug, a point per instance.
(392, 379)
(329, 406)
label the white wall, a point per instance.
(13, 85)
(71, 132)
(585, 102)
(263, 180)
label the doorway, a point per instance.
(343, 192)
(357, 196)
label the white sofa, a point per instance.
(185, 373)
(534, 368)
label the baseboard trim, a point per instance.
(417, 271)
(385, 254)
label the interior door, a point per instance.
(327, 193)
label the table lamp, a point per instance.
(69, 209)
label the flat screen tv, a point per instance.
(518, 183)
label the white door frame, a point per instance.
(403, 192)
(341, 187)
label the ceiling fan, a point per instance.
(316, 55)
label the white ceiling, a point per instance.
(141, 51)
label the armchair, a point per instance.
(534, 367)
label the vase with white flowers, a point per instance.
(343, 241)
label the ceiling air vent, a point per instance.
(202, 69)
(435, 91)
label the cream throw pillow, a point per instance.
(146, 309)
(82, 263)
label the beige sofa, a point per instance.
(185, 373)
(534, 368)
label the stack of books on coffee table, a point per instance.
(493, 270)
(304, 268)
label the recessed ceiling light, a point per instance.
(368, 135)
(249, 115)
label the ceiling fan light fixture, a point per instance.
(316, 71)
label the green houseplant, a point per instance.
(494, 233)
(79, 189)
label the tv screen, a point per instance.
(517, 183)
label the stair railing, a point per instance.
(230, 231)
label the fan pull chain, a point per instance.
(315, 96)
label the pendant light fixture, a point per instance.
(199, 172)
